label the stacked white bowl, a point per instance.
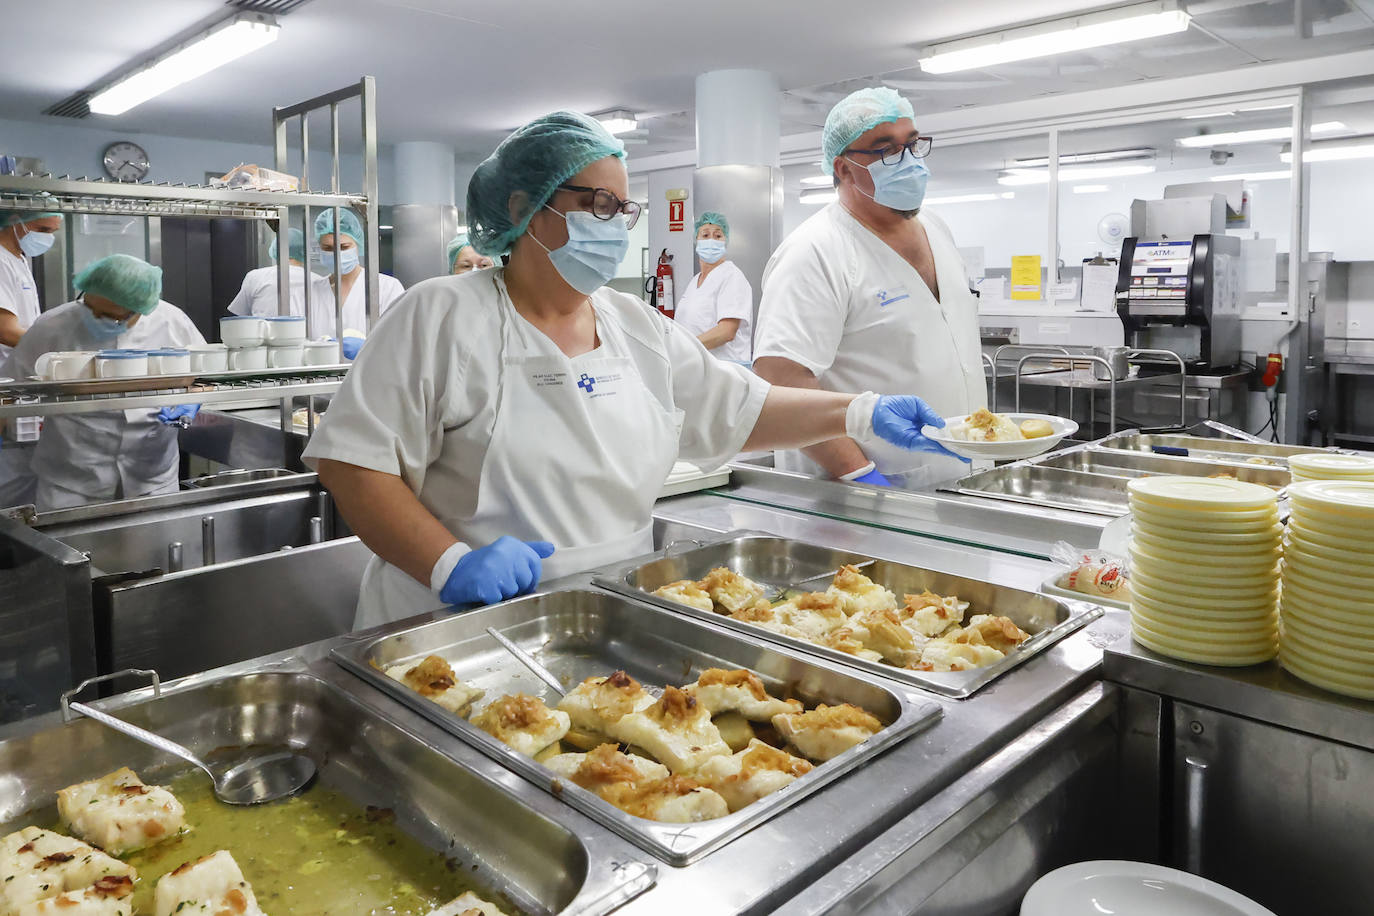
(1205, 569)
(1328, 570)
(1331, 467)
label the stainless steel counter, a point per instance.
(774, 862)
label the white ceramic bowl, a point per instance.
(209, 358)
(1134, 888)
(1001, 451)
(284, 356)
(170, 361)
(66, 365)
(247, 358)
(242, 331)
(321, 353)
(121, 363)
(285, 329)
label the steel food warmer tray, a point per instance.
(580, 633)
(784, 564)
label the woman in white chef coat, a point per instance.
(520, 421)
(258, 294)
(717, 306)
(118, 454)
(23, 237)
(347, 247)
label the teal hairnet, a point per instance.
(531, 163)
(129, 282)
(349, 225)
(12, 217)
(455, 248)
(295, 246)
(856, 113)
(715, 219)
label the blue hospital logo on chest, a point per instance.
(586, 383)
(887, 297)
(600, 385)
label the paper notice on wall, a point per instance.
(1260, 264)
(1066, 291)
(974, 262)
(1025, 276)
(1099, 288)
(992, 290)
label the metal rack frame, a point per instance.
(1111, 382)
(18, 399)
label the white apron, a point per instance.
(576, 455)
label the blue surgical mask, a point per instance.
(348, 259)
(901, 186)
(102, 328)
(593, 252)
(710, 250)
(34, 243)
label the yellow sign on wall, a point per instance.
(1025, 276)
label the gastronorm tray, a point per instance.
(785, 563)
(1128, 464)
(1236, 451)
(542, 866)
(578, 634)
(1041, 485)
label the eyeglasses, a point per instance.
(606, 205)
(918, 147)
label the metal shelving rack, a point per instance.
(68, 194)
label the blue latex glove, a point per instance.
(503, 569)
(351, 346)
(180, 415)
(899, 418)
(873, 478)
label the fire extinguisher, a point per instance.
(660, 285)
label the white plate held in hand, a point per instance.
(1014, 450)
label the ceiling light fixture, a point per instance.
(1076, 173)
(817, 181)
(1090, 188)
(1114, 155)
(1209, 114)
(1260, 135)
(225, 42)
(618, 121)
(967, 198)
(1267, 107)
(1074, 33)
(1254, 176)
(1334, 150)
(818, 197)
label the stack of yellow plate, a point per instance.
(1331, 466)
(1328, 586)
(1205, 569)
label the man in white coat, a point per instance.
(871, 294)
(117, 454)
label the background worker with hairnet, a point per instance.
(24, 235)
(346, 247)
(117, 454)
(258, 294)
(717, 306)
(520, 421)
(462, 257)
(871, 293)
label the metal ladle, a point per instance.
(260, 779)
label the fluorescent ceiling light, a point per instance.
(1075, 33)
(1076, 173)
(816, 181)
(619, 121)
(1254, 176)
(1079, 158)
(223, 43)
(1254, 136)
(1210, 114)
(818, 197)
(967, 198)
(1090, 188)
(1335, 150)
(1267, 107)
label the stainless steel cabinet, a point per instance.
(1280, 816)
